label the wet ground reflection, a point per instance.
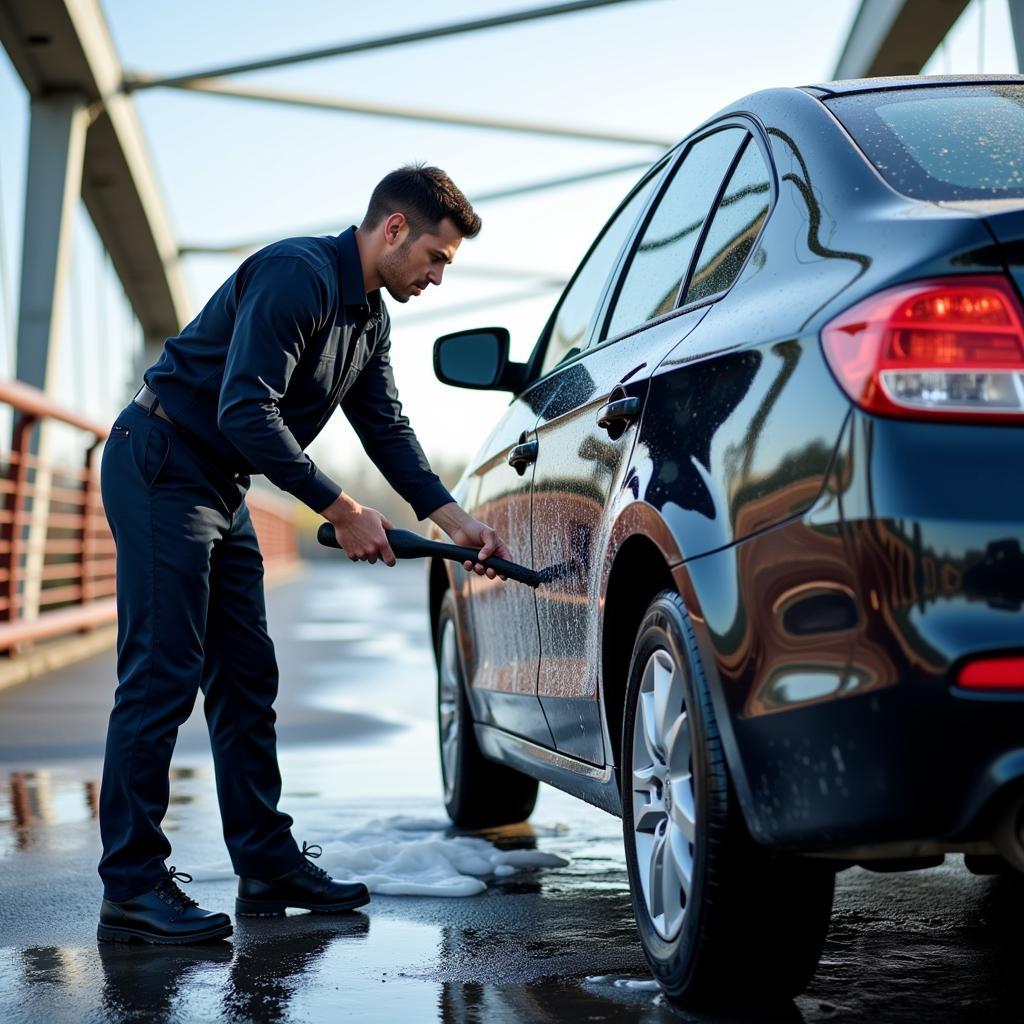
(256, 978)
(306, 969)
(36, 798)
(45, 797)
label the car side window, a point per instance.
(582, 299)
(734, 228)
(655, 273)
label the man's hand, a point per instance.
(359, 530)
(468, 532)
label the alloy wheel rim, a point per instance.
(447, 705)
(664, 805)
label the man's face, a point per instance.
(407, 266)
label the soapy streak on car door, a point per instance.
(578, 473)
(503, 655)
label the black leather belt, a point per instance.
(147, 399)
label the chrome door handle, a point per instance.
(617, 415)
(522, 455)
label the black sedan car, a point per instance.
(768, 455)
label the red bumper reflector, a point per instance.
(993, 674)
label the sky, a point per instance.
(232, 170)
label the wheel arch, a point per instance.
(438, 583)
(639, 569)
(643, 560)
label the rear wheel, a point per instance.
(711, 906)
(478, 793)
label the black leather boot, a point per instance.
(306, 887)
(164, 915)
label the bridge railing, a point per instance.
(57, 558)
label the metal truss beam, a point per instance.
(57, 132)
(135, 80)
(64, 46)
(243, 248)
(338, 105)
(489, 302)
(895, 37)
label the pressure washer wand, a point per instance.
(407, 544)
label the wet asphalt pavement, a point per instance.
(357, 744)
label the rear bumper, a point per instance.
(908, 763)
(838, 653)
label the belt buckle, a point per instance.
(147, 399)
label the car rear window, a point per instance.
(942, 142)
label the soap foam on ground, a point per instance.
(404, 856)
(633, 984)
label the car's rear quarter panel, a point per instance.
(739, 437)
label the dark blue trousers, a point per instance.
(191, 617)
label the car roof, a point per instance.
(856, 85)
(752, 102)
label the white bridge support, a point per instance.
(1017, 23)
(56, 154)
(61, 48)
(895, 37)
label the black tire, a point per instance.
(478, 793)
(992, 865)
(754, 923)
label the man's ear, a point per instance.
(394, 228)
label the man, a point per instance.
(298, 329)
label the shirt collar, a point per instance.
(350, 270)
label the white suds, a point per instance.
(634, 984)
(412, 857)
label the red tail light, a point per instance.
(951, 348)
(993, 674)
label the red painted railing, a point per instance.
(61, 580)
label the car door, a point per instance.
(586, 431)
(503, 660)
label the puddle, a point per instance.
(47, 798)
(37, 806)
(33, 802)
(404, 856)
(297, 969)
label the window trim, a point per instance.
(684, 285)
(755, 130)
(772, 192)
(686, 148)
(536, 358)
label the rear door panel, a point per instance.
(579, 469)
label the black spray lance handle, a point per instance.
(407, 544)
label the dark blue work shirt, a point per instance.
(256, 375)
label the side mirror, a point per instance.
(477, 359)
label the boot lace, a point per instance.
(314, 851)
(169, 891)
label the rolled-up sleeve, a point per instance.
(375, 412)
(281, 301)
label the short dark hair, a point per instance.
(426, 195)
